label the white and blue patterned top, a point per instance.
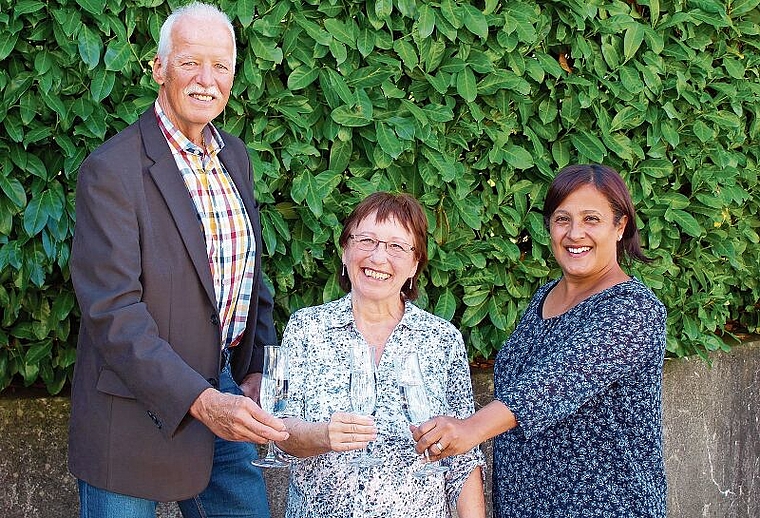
(585, 387)
(320, 339)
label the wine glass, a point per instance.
(363, 394)
(273, 396)
(416, 405)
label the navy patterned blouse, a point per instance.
(327, 485)
(585, 387)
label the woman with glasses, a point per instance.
(577, 414)
(384, 243)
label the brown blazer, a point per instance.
(149, 341)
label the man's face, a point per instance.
(196, 79)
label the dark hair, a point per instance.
(405, 209)
(607, 181)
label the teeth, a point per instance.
(579, 250)
(203, 97)
(376, 275)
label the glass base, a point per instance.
(270, 462)
(431, 468)
(365, 461)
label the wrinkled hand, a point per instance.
(442, 437)
(236, 418)
(347, 432)
(251, 386)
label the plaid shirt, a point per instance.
(229, 237)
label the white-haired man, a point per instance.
(166, 265)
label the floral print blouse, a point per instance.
(585, 387)
(320, 340)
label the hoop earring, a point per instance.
(343, 271)
(411, 279)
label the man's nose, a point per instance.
(205, 75)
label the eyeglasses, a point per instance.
(369, 244)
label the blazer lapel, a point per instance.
(169, 181)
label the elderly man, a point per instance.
(166, 265)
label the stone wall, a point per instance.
(712, 444)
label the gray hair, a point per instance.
(195, 9)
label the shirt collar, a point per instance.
(177, 139)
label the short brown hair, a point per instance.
(405, 209)
(607, 181)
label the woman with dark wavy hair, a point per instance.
(577, 414)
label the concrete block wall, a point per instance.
(712, 444)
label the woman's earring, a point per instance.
(343, 271)
(410, 283)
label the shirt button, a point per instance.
(215, 320)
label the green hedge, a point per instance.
(470, 106)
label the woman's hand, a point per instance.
(344, 432)
(443, 437)
(347, 432)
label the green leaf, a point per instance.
(383, 9)
(702, 131)
(35, 215)
(246, 9)
(742, 7)
(102, 84)
(589, 146)
(517, 156)
(7, 44)
(27, 6)
(466, 87)
(632, 40)
(302, 77)
(340, 155)
(406, 52)
(92, 6)
(351, 117)
(446, 305)
(118, 54)
(366, 42)
(426, 21)
(441, 164)
(343, 32)
(265, 49)
(475, 21)
(656, 168)
(90, 47)
(686, 221)
(388, 140)
(13, 190)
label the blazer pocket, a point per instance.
(110, 383)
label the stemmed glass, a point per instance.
(363, 393)
(273, 396)
(416, 405)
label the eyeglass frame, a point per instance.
(405, 253)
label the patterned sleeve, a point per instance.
(460, 404)
(613, 339)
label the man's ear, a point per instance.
(158, 70)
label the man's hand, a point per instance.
(236, 418)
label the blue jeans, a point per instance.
(236, 487)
